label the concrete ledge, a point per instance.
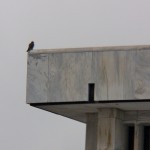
(58, 79)
(90, 49)
(79, 111)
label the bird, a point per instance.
(30, 47)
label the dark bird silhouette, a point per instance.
(31, 46)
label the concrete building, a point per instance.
(108, 88)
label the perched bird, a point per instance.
(31, 45)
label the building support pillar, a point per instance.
(105, 130)
(138, 137)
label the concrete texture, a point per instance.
(58, 81)
(61, 76)
(64, 76)
(105, 130)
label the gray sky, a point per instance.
(56, 24)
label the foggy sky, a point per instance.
(56, 24)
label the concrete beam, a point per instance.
(119, 73)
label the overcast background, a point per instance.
(56, 24)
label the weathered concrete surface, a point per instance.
(119, 73)
(134, 112)
(37, 78)
(58, 80)
(106, 131)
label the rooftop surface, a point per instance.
(91, 49)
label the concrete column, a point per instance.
(138, 137)
(91, 131)
(105, 131)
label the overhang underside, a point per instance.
(78, 110)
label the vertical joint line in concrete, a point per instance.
(48, 79)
